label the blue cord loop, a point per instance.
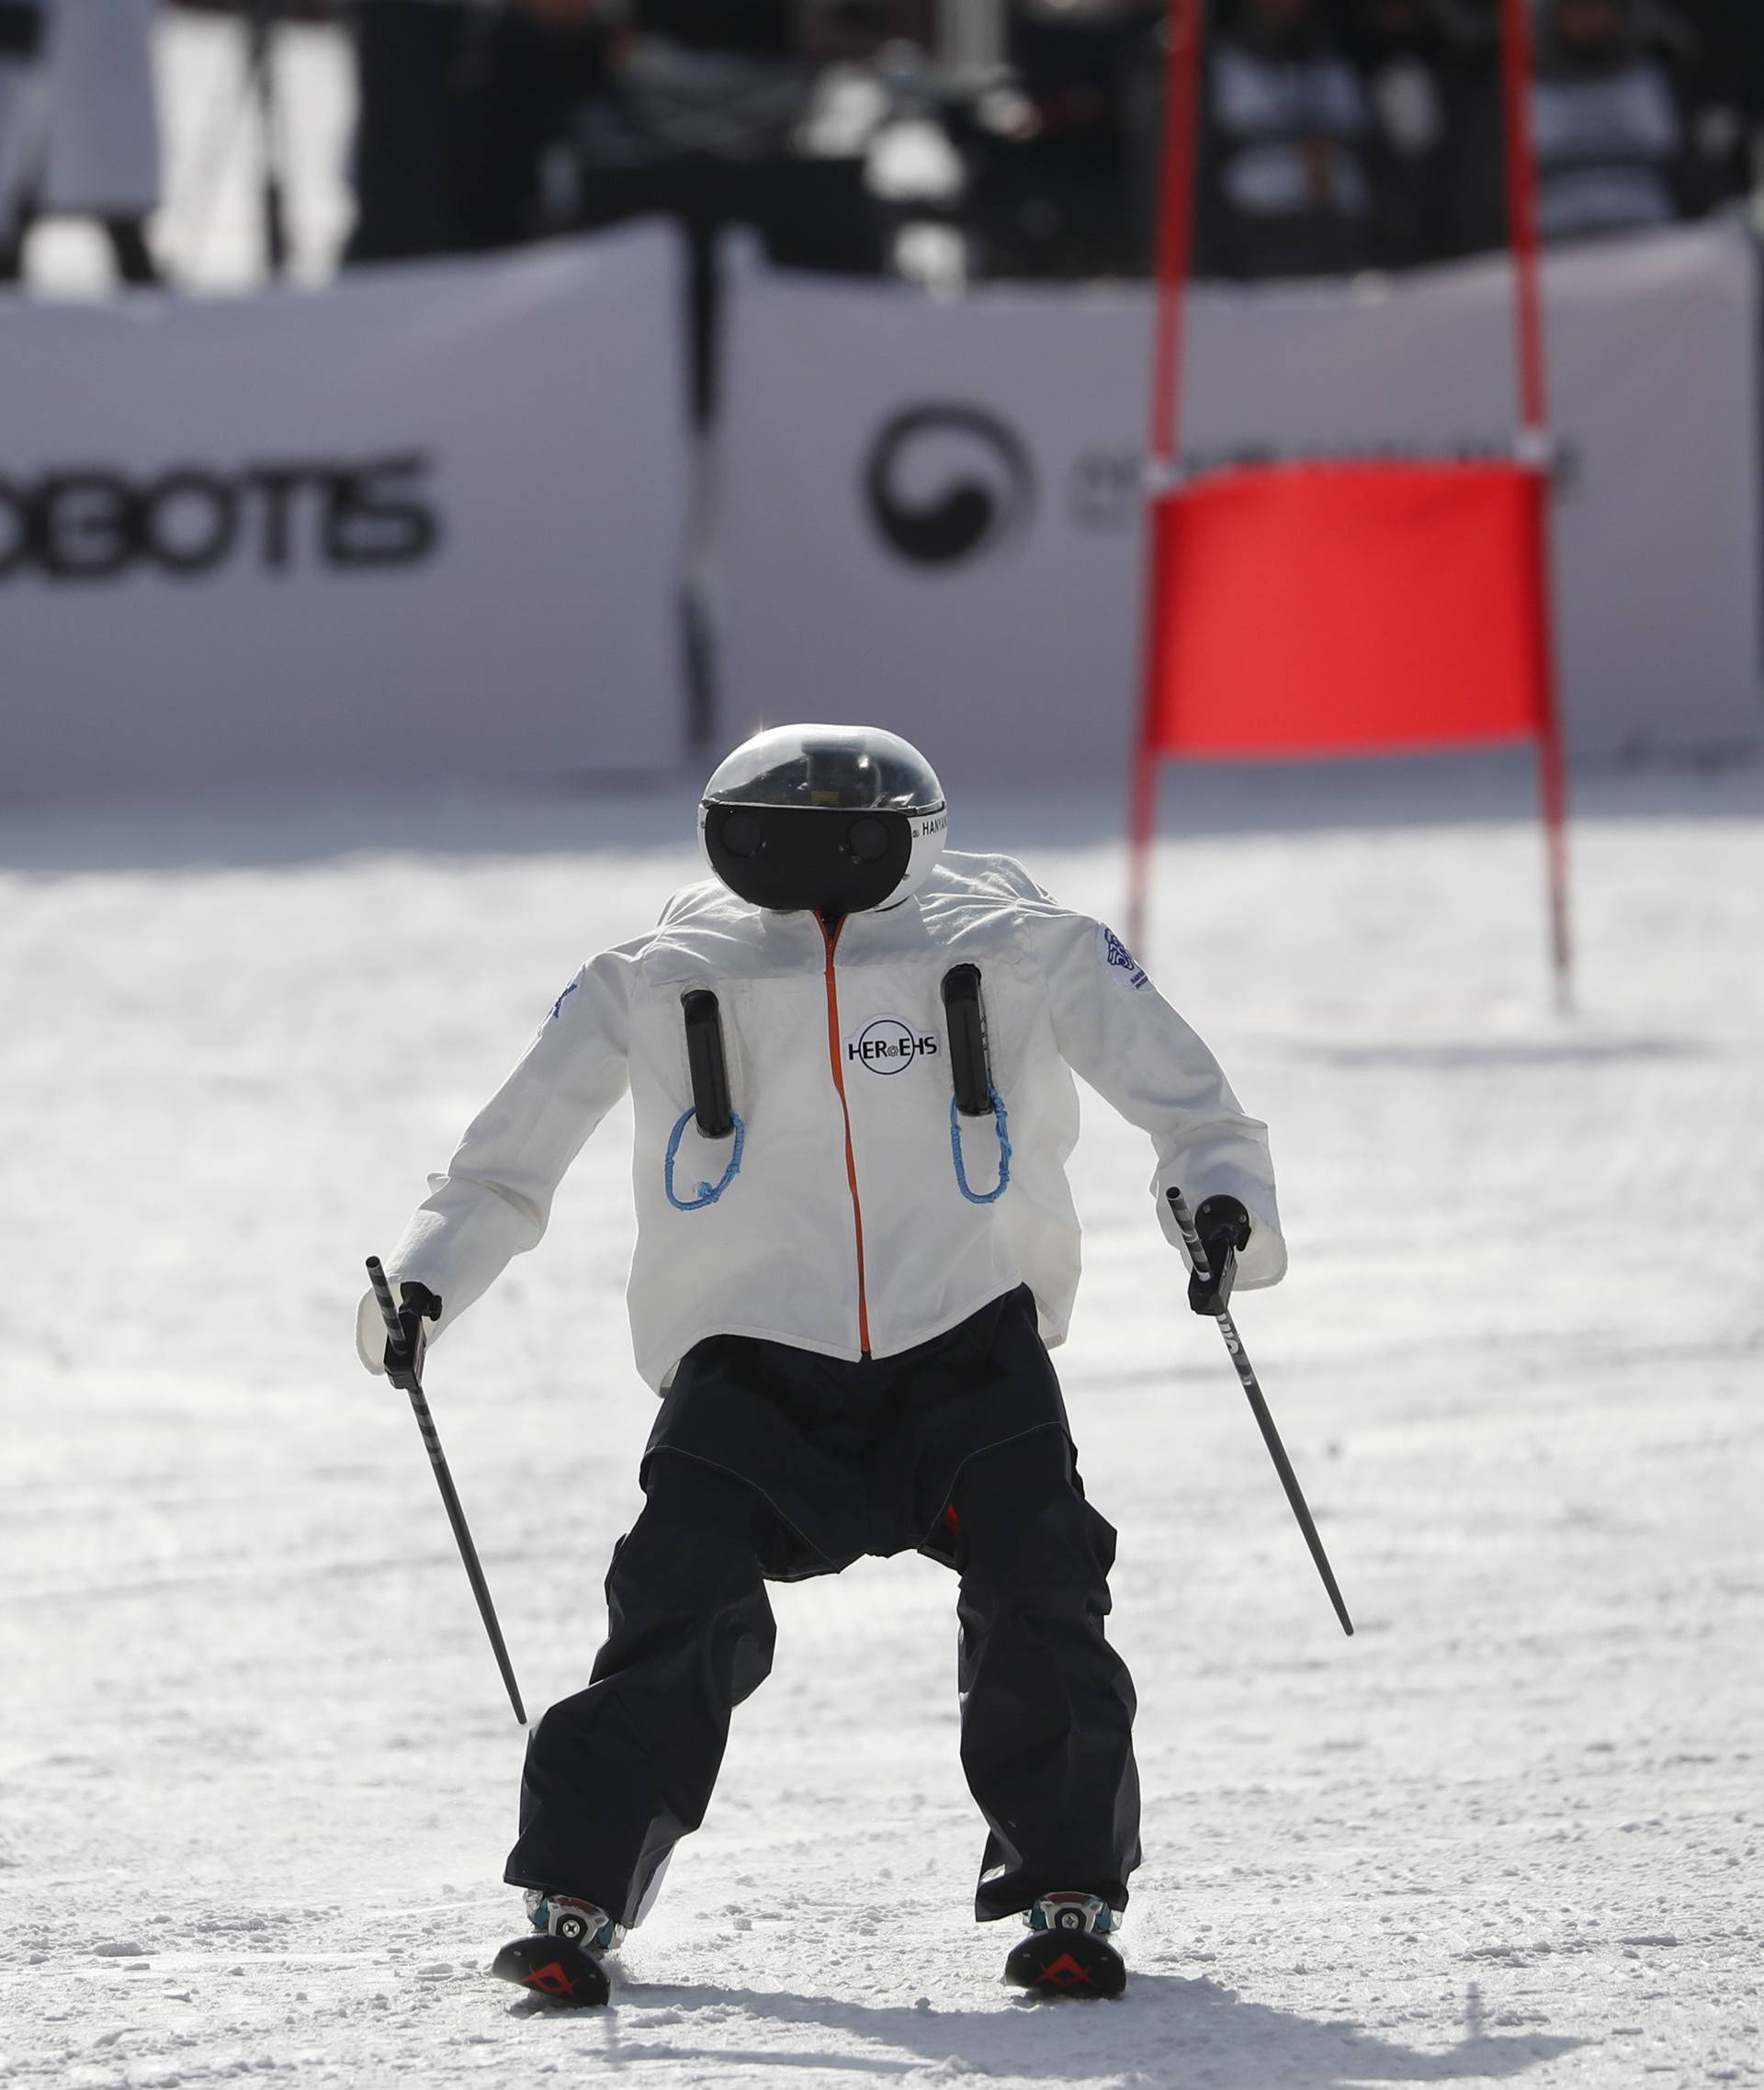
(707, 1192)
(1002, 1125)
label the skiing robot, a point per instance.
(851, 1053)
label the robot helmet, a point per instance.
(836, 819)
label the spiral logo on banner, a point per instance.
(944, 482)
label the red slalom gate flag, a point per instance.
(1343, 608)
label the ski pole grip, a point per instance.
(1192, 1241)
(383, 1298)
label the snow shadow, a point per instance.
(1168, 2027)
(290, 824)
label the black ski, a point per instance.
(554, 1968)
(1055, 1963)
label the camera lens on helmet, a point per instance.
(740, 834)
(867, 841)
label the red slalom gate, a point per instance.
(1344, 606)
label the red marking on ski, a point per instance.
(551, 1979)
(1066, 1972)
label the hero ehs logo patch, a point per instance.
(890, 1047)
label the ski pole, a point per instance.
(444, 1480)
(1198, 1256)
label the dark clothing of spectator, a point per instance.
(1611, 151)
(1055, 203)
(1716, 49)
(408, 56)
(1411, 69)
(1611, 126)
(697, 164)
(1730, 53)
(762, 28)
(1288, 182)
(21, 28)
(525, 84)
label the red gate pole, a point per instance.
(1535, 453)
(1175, 252)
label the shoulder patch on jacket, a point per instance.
(1111, 951)
(556, 1007)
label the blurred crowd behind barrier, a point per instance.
(945, 141)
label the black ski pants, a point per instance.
(618, 1773)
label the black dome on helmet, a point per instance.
(839, 820)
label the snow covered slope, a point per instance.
(258, 1778)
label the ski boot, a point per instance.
(561, 1958)
(1067, 1951)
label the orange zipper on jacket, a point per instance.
(831, 937)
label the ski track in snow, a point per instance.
(258, 1779)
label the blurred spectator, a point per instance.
(1718, 49)
(1336, 135)
(488, 123)
(79, 131)
(1731, 36)
(586, 113)
(1054, 186)
(700, 83)
(23, 86)
(705, 117)
(409, 56)
(529, 74)
(1287, 164)
(1411, 64)
(1612, 123)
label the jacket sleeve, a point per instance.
(495, 1198)
(1115, 1029)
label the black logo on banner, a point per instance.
(93, 523)
(1105, 488)
(945, 482)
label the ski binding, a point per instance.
(1067, 1951)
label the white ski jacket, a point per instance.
(843, 1216)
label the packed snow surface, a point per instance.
(258, 1775)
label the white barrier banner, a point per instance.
(428, 521)
(932, 516)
